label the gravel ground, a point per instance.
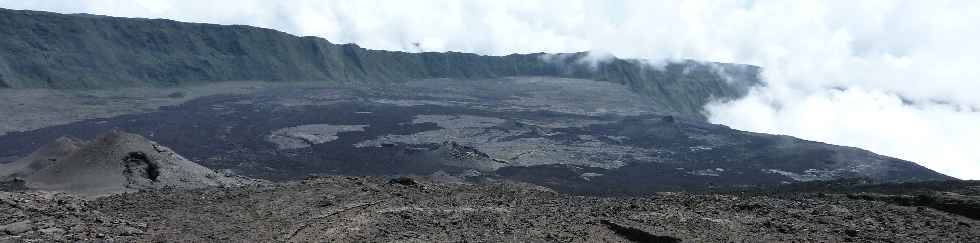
(376, 209)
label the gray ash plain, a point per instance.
(523, 129)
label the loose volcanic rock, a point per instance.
(377, 209)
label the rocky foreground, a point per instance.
(376, 209)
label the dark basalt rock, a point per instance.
(13, 185)
(137, 163)
(176, 95)
(405, 181)
(637, 235)
(370, 209)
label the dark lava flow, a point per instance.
(229, 132)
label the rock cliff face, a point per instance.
(48, 50)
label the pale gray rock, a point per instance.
(18, 227)
(306, 135)
(117, 162)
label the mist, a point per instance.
(898, 78)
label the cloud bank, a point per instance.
(899, 78)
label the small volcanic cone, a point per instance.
(115, 162)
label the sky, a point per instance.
(899, 78)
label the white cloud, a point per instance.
(838, 71)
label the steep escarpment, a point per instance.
(48, 50)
